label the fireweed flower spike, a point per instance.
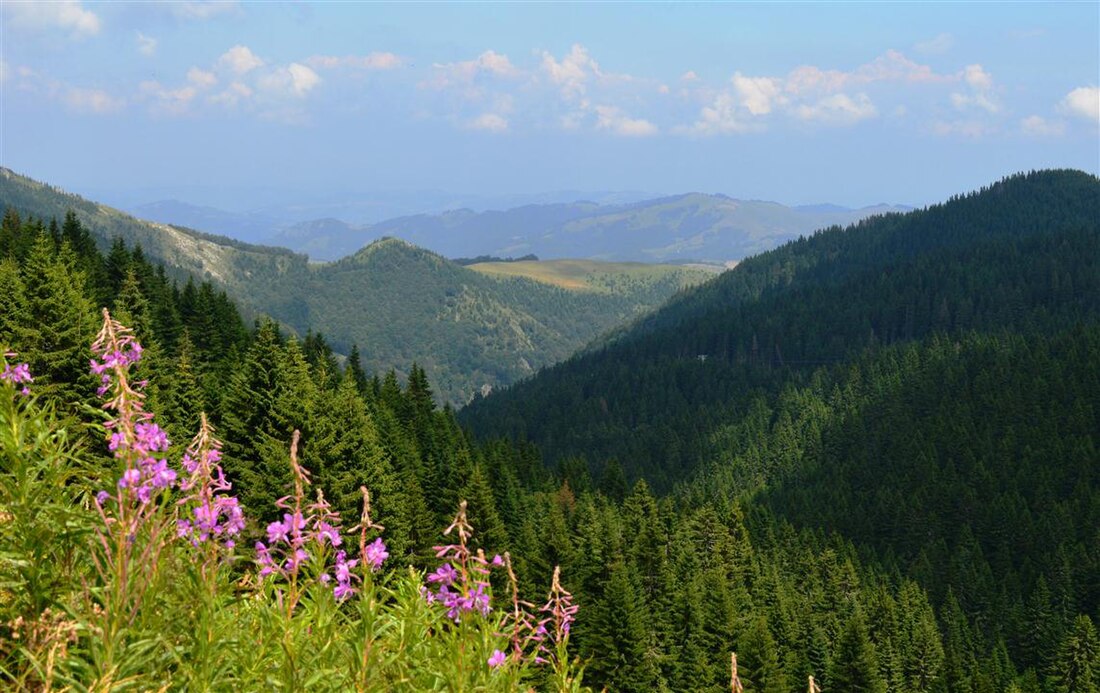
(211, 514)
(560, 613)
(520, 622)
(134, 530)
(307, 533)
(463, 581)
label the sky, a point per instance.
(802, 103)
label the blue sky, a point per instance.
(847, 103)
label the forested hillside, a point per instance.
(469, 331)
(923, 385)
(400, 304)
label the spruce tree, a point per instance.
(855, 666)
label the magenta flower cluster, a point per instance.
(316, 528)
(111, 357)
(134, 438)
(152, 472)
(19, 374)
(215, 516)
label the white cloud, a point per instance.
(720, 117)
(838, 109)
(68, 15)
(146, 45)
(689, 76)
(465, 72)
(758, 94)
(295, 80)
(941, 43)
(94, 101)
(167, 101)
(981, 87)
(201, 78)
(490, 122)
(232, 95)
(573, 72)
(980, 100)
(891, 66)
(613, 119)
(240, 60)
(1041, 127)
(978, 78)
(195, 9)
(1083, 102)
(371, 61)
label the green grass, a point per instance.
(593, 275)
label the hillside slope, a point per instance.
(1021, 254)
(220, 259)
(402, 304)
(923, 385)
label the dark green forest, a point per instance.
(869, 456)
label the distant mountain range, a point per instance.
(471, 330)
(690, 227)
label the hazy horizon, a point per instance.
(794, 103)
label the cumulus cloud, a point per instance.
(838, 109)
(941, 43)
(1083, 102)
(146, 45)
(464, 73)
(232, 95)
(239, 59)
(891, 66)
(67, 15)
(1041, 127)
(294, 80)
(978, 78)
(573, 72)
(166, 100)
(689, 76)
(758, 94)
(201, 78)
(371, 61)
(93, 101)
(614, 120)
(721, 116)
(981, 91)
(490, 122)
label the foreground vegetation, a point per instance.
(130, 575)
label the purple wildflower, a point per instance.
(496, 659)
(375, 554)
(214, 514)
(462, 579)
(15, 375)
